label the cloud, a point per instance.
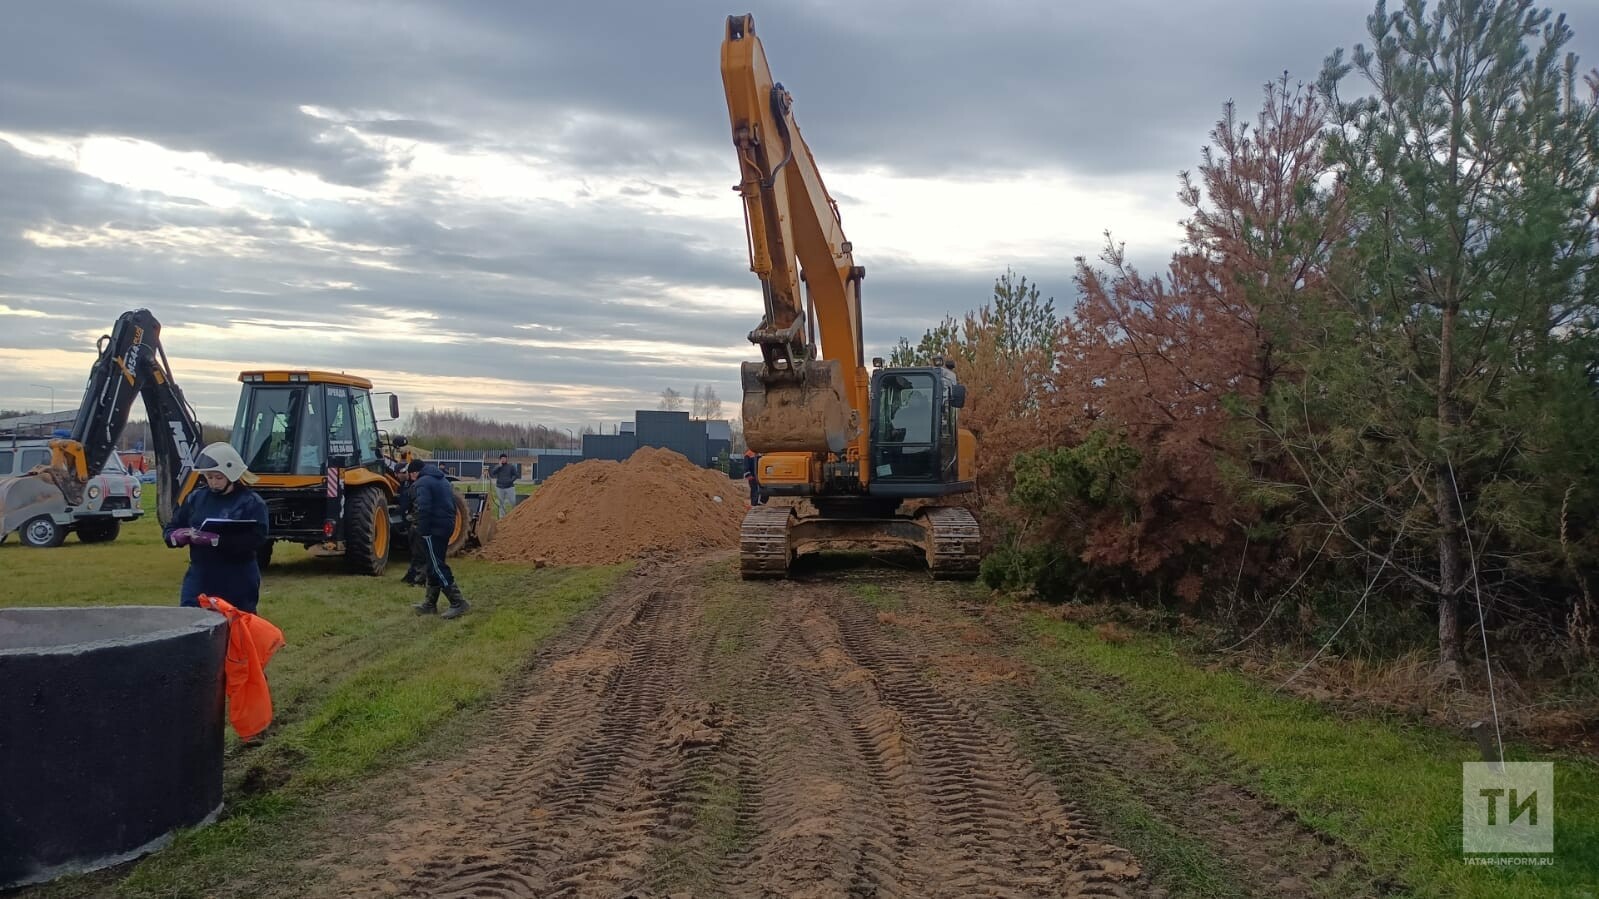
(524, 208)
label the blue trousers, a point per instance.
(239, 584)
(439, 574)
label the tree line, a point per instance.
(1365, 381)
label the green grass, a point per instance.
(1184, 863)
(362, 685)
(1389, 790)
(878, 598)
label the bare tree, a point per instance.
(706, 404)
(671, 400)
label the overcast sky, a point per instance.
(524, 209)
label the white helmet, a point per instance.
(224, 458)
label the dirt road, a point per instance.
(697, 735)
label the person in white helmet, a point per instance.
(222, 562)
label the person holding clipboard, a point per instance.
(222, 523)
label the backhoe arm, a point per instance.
(131, 365)
(792, 401)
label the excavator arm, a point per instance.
(131, 365)
(806, 394)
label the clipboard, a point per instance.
(224, 526)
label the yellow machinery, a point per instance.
(130, 367)
(857, 444)
(329, 476)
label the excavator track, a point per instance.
(764, 548)
(954, 543)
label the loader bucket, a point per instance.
(808, 414)
(25, 498)
(484, 518)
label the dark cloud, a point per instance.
(606, 89)
(962, 89)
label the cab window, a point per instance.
(34, 457)
(278, 432)
(342, 449)
(366, 426)
(907, 427)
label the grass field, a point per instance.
(362, 685)
(1387, 788)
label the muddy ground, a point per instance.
(855, 731)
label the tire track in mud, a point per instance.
(1002, 827)
(698, 735)
(567, 795)
(893, 788)
(1176, 777)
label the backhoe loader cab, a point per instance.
(329, 476)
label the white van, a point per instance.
(110, 498)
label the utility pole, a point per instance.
(52, 395)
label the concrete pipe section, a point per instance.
(110, 734)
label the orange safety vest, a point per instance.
(252, 640)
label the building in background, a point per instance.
(707, 444)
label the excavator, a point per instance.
(873, 452)
(131, 365)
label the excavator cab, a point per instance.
(915, 431)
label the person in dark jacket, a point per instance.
(752, 476)
(433, 515)
(505, 475)
(222, 562)
(416, 572)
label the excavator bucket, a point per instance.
(25, 498)
(808, 414)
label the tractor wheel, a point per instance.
(463, 525)
(42, 532)
(99, 531)
(263, 554)
(366, 531)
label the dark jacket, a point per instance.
(433, 513)
(404, 501)
(228, 570)
(504, 474)
(750, 464)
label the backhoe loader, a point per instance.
(328, 475)
(131, 365)
(856, 444)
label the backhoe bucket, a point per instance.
(808, 414)
(26, 498)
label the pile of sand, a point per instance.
(597, 512)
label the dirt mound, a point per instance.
(598, 512)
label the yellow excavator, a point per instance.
(859, 445)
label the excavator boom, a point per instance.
(805, 395)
